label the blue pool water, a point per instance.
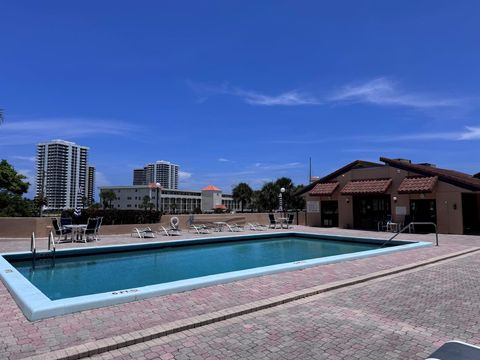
(98, 273)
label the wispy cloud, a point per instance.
(385, 92)
(380, 91)
(30, 131)
(469, 133)
(288, 98)
(223, 160)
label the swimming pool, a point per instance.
(94, 277)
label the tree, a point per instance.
(2, 118)
(146, 203)
(242, 193)
(12, 181)
(107, 196)
(40, 201)
(268, 197)
(12, 187)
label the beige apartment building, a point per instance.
(366, 195)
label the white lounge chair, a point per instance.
(233, 227)
(257, 227)
(143, 233)
(200, 229)
(173, 229)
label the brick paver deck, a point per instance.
(20, 338)
(404, 316)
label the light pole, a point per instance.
(280, 198)
(158, 187)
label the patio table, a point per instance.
(77, 229)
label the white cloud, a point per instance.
(382, 91)
(470, 133)
(379, 91)
(224, 160)
(288, 98)
(183, 175)
(31, 131)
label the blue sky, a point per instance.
(241, 91)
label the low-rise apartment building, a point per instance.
(171, 201)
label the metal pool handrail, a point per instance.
(409, 227)
(33, 249)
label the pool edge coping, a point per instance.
(158, 331)
(35, 305)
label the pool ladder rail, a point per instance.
(410, 226)
(51, 248)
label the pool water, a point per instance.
(91, 274)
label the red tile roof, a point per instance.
(416, 185)
(324, 189)
(357, 164)
(453, 177)
(370, 186)
(211, 188)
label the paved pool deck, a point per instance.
(400, 306)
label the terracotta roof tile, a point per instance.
(211, 187)
(370, 186)
(324, 189)
(412, 185)
(449, 176)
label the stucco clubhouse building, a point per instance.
(364, 195)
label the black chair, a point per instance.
(90, 230)
(273, 221)
(65, 221)
(99, 223)
(290, 221)
(60, 230)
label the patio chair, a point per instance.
(90, 231)
(233, 227)
(257, 227)
(60, 231)
(290, 221)
(173, 229)
(65, 221)
(273, 222)
(456, 350)
(143, 233)
(99, 223)
(200, 229)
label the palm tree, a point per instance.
(107, 197)
(242, 193)
(1, 116)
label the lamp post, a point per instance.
(158, 187)
(280, 198)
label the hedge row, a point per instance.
(115, 217)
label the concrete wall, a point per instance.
(22, 227)
(448, 199)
